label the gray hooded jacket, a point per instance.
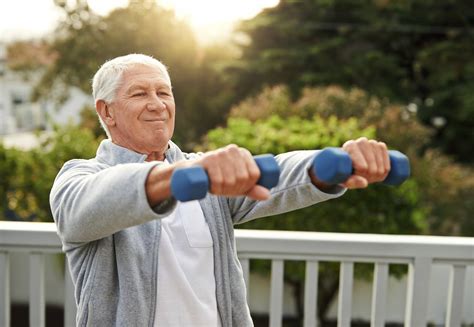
(111, 235)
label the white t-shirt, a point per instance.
(186, 284)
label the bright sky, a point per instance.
(34, 18)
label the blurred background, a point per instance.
(271, 76)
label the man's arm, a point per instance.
(89, 202)
(299, 187)
(295, 190)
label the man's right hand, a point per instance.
(232, 171)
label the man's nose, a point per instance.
(156, 103)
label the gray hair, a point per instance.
(108, 78)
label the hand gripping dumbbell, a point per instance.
(193, 183)
(334, 166)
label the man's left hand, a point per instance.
(370, 162)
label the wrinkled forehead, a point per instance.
(144, 75)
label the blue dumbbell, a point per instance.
(193, 183)
(334, 166)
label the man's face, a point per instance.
(144, 111)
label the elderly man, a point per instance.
(139, 258)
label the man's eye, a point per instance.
(163, 93)
(139, 94)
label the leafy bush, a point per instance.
(446, 213)
(31, 173)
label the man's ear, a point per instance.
(104, 111)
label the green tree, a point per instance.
(89, 120)
(417, 51)
(35, 170)
(394, 124)
(397, 126)
(8, 167)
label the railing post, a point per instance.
(344, 310)
(4, 289)
(69, 301)
(455, 296)
(276, 294)
(37, 298)
(311, 294)
(419, 273)
(379, 295)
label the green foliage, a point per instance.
(31, 173)
(393, 124)
(276, 134)
(89, 120)
(417, 51)
(8, 167)
(378, 209)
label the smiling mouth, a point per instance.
(154, 120)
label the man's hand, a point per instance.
(232, 171)
(370, 162)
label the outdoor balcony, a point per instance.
(422, 255)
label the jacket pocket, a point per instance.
(195, 225)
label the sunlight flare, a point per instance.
(210, 12)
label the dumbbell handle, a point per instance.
(192, 183)
(334, 166)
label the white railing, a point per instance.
(38, 240)
(420, 253)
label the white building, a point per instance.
(20, 117)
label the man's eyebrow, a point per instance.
(139, 86)
(136, 87)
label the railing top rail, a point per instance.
(354, 237)
(287, 243)
(27, 226)
(357, 245)
(28, 234)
